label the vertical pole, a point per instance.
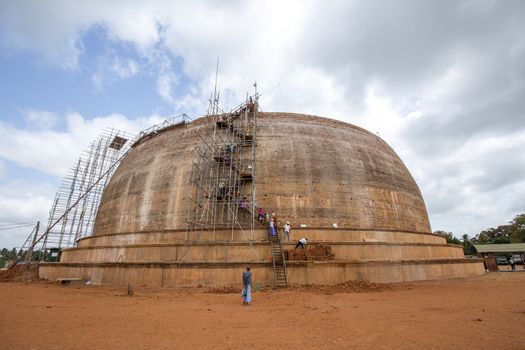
(254, 145)
(69, 199)
(50, 222)
(29, 253)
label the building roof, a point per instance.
(500, 248)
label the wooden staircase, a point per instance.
(279, 263)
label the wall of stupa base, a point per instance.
(314, 234)
(299, 273)
(256, 251)
(227, 246)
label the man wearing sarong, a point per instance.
(271, 230)
(247, 286)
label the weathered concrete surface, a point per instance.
(310, 170)
(167, 260)
(227, 274)
(314, 234)
(257, 251)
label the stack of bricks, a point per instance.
(311, 253)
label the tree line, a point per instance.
(14, 254)
(513, 232)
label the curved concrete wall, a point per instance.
(300, 273)
(313, 234)
(310, 170)
(232, 252)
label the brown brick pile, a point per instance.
(346, 287)
(316, 252)
(20, 273)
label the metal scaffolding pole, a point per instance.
(223, 173)
(74, 210)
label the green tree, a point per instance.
(449, 236)
(37, 254)
(516, 229)
(496, 235)
(467, 245)
(514, 232)
(6, 255)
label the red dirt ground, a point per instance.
(487, 312)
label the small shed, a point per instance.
(489, 252)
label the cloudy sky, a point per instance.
(443, 82)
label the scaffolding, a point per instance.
(223, 173)
(72, 215)
(76, 201)
(223, 178)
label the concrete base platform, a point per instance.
(166, 259)
(229, 274)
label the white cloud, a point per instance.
(124, 69)
(23, 202)
(54, 152)
(39, 119)
(111, 68)
(165, 87)
(442, 82)
(166, 79)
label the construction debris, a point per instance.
(316, 252)
(346, 287)
(20, 273)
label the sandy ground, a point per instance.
(487, 312)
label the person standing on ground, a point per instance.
(511, 262)
(286, 230)
(247, 286)
(302, 242)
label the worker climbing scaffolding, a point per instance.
(225, 165)
(223, 178)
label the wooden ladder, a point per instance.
(279, 263)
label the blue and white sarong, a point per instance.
(247, 294)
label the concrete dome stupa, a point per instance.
(161, 221)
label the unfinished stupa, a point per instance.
(182, 208)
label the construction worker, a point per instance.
(250, 105)
(244, 202)
(271, 228)
(274, 219)
(260, 214)
(302, 242)
(222, 189)
(286, 230)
